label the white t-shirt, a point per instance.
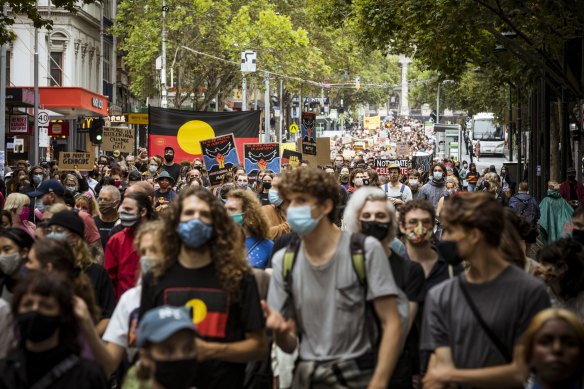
(123, 324)
(397, 193)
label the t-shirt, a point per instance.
(258, 251)
(397, 193)
(102, 288)
(408, 276)
(104, 229)
(163, 198)
(121, 329)
(506, 303)
(328, 300)
(217, 316)
(173, 170)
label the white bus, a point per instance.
(490, 135)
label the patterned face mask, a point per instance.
(419, 234)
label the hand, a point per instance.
(81, 312)
(437, 378)
(204, 350)
(276, 322)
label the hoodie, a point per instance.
(432, 191)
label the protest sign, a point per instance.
(372, 122)
(261, 156)
(292, 158)
(219, 155)
(423, 162)
(382, 165)
(118, 138)
(308, 133)
(323, 151)
(75, 161)
(403, 150)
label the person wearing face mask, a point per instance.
(246, 211)
(119, 339)
(14, 247)
(37, 175)
(264, 187)
(472, 177)
(48, 339)
(202, 269)
(165, 194)
(18, 206)
(572, 190)
(356, 179)
(562, 269)
(414, 182)
(462, 172)
(344, 176)
(108, 202)
(525, 205)
(371, 213)
(168, 352)
(435, 188)
(153, 168)
(172, 168)
(395, 191)
(554, 350)
(121, 259)
(323, 263)
(339, 163)
(276, 212)
(242, 182)
(473, 324)
(508, 184)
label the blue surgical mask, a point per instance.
(152, 168)
(301, 220)
(146, 264)
(194, 233)
(275, 198)
(437, 176)
(57, 235)
(238, 218)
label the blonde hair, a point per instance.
(16, 200)
(553, 185)
(153, 227)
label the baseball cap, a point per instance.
(161, 323)
(135, 176)
(571, 169)
(48, 186)
(70, 220)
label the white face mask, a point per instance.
(10, 262)
(146, 263)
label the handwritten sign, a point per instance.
(75, 161)
(118, 138)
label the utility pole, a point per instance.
(100, 86)
(243, 93)
(49, 59)
(3, 101)
(281, 112)
(164, 100)
(35, 135)
(438, 104)
(267, 106)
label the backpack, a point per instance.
(527, 209)
(357, 247)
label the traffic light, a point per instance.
(96, 131)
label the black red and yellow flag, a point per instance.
(182, 130)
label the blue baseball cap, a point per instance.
(48, 186)
(160, 323)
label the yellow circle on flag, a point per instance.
(190, 133)
(199, 310)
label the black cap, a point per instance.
(168, 148)
(135, 176)
(48, 186)
(70, 220)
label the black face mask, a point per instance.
(448, 250)
(572, 178)
(578, 236)
(168, 157)
(177, 374)
(267, 185)
(365, 182)
(378, 230)
(36, 327)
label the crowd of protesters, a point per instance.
(140, 274)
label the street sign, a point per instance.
(293, 128)
(44, 140)
(248, 61)
(43, 118)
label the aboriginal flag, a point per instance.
(182, 130)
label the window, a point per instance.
(56, 68)
(107, 61)
(8, 61)
(107, 9)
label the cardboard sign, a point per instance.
(308, 133)
(118, 138)
(382, 165)
(75, 161)
(292, 158)
(323, 151)
(261, 156)
(403, 150)
(372, 122)
(219, 155)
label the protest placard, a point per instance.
(118, 138)
(261, 156)
(75, 161)
(292, 158)
(308, 133)
(382, 165)
(219, 155)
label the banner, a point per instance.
(423, 162)
(261, 156)
(183, 130)
(292, 158)
(118, 138)
(75, 161)
(372, 122)
(308, 133)
(382, 165)
(219, 155)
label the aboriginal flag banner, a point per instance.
(183, 130)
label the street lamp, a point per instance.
(438, 99)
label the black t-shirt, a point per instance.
(408, 275)
(173, 170)
(264, 198)
(217, 317)
(104, 229)
(102, 288)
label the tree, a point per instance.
(29, 8)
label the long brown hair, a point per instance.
(254, 218)
(227, 253)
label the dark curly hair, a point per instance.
(314, 182)
(227, 253)
(421, 204)
(571, 253)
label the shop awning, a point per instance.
(71, 101)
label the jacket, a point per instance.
(556, 217)
(565, 191)
(432, 191)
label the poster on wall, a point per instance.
(261, 156)
(308, 133)
(219, 155)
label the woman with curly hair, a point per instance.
(245, 209)
(204, 268)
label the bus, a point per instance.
(490, 135)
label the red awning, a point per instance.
(71, 101)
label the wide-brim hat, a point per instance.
(165, 174)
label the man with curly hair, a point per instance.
(321, 306)
(204, 269)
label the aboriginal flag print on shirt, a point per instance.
(183, 130)
(209, 308)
